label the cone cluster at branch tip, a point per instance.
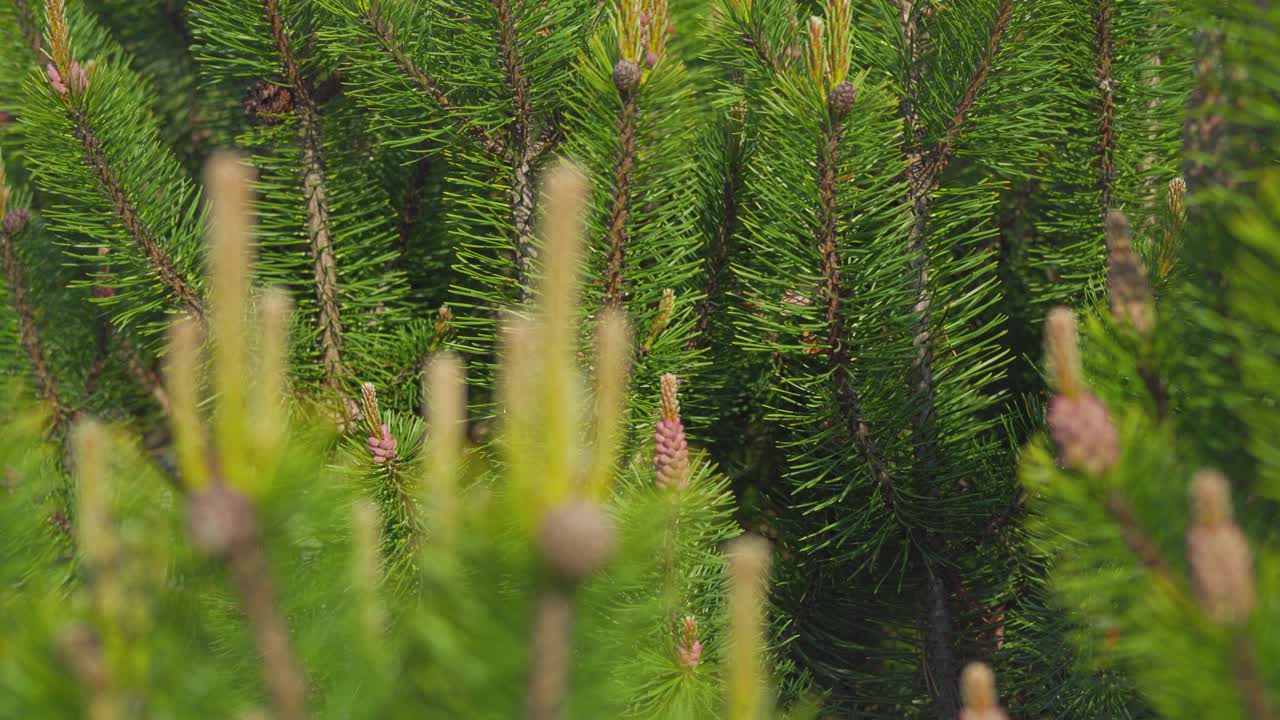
(382, 446)
(841, 99)
(626, 76)
(1218, 555)
(79, 77)
(689, 652)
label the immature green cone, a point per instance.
(978, 688)
(1218, 555)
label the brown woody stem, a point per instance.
(281, 674)
(1105, 47)
(520, 144)
(143, 236)
(324, 261)
(718, 258)
(620, 205)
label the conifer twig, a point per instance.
(25, 23)
(1104, 46)
(385, 34)
(726, 228)
(317, 204)
(28, 327)
(520, 149)
(626, 76)
(945, 149)
(143, 236)
(73, 81)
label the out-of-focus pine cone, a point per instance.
(1083, 432)
(576, 540)
(1218, 554)
(219, 518)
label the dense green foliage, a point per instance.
(840, 224)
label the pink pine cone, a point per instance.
(671, 454)
(691, 656)
(382, 446)
(1082, 430)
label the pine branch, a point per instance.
(318, 228)
(842, 374)
(410, 205)
(945, 149)
(619, 208)
(28, 329)
(726, 228)
(518, 131)
(27, 25)
(384, 32)
(143, 236)
(1105, 48)
(1205, 130)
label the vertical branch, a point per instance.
(619, 209)
(718, 258)
(1105, 47)
(518, 141)
(924, 170)
(28, 328)
(324, 262)
(1205, 132)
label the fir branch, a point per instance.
(619, 208)
(518, 131)
(318, 228)
(1105, 48)
(28, 329)
(384, 32)
(142, 235)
